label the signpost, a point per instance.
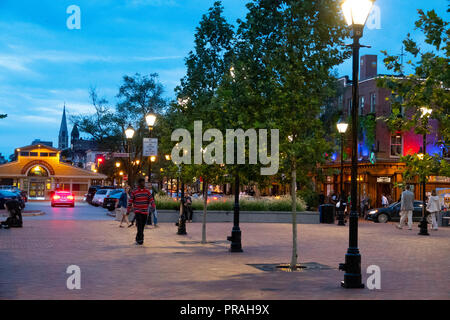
(150, 147)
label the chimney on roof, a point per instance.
(369, 66)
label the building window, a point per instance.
(341, 102)
(361, 105)
(53, 154)
(24, 154)
(349, 106)
(44, 154)
(373, 102)
(33, 154)
(396, 145)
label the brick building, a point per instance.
(380, 149)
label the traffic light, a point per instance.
(100, 160)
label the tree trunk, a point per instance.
(205, 210)
(257, 192)
(293, 265)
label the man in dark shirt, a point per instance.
(141, 199)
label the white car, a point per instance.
(100, 196)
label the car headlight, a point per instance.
(373, 211)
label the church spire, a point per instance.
(63, 141)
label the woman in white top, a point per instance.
(434, 207)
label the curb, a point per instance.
(29, 213)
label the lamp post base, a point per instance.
(352, 268)
(423, 225)
(236, 243)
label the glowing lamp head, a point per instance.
(129, 133)
(118, 164)
(168, 157)
(232, 73)
(150, 119)
(153, 159)
(342, 127)
(356, 12)
(426, 112)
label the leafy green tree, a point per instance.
(427, 87)
(3, 116)
(138, 96)
(206, 65)
(287, 50)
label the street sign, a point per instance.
(125, 177)
(120, 155)
(150, 147)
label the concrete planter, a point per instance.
(245, 216)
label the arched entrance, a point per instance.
(38, 176)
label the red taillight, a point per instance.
(56, 197)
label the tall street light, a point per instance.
(342, 127)
(426, 113)
(129, 133)
(236, 234)
(356, 13)
(150, 119)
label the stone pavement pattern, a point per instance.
(33, 261)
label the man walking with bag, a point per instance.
(407, 208)
(141, 199)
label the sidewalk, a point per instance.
(33, 261)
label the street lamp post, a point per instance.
(182, 217)
(129, 133)
(236, 234)
(424, 223)
(342, 128)
(356, 13)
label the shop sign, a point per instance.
(383, 180)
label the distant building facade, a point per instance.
(37, 142)
(39, 171)
(379, 152)
(75, 152)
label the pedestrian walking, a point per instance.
(121, 208)
(141, 199)
(433, 207)
(189, 210)
(152, 213)
(406, 208)
(384, 201)
(364, 205)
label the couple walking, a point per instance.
(407, 208)
(143, 203)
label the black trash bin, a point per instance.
(445, 219)
(327, 213)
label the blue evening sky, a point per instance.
(44, 64)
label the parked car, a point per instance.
(22, 193)
(111, 200)
(92, 191)
(392, 213)
(63, 198)
(8, 195)
(100, 196)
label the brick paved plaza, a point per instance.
(33, 261)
